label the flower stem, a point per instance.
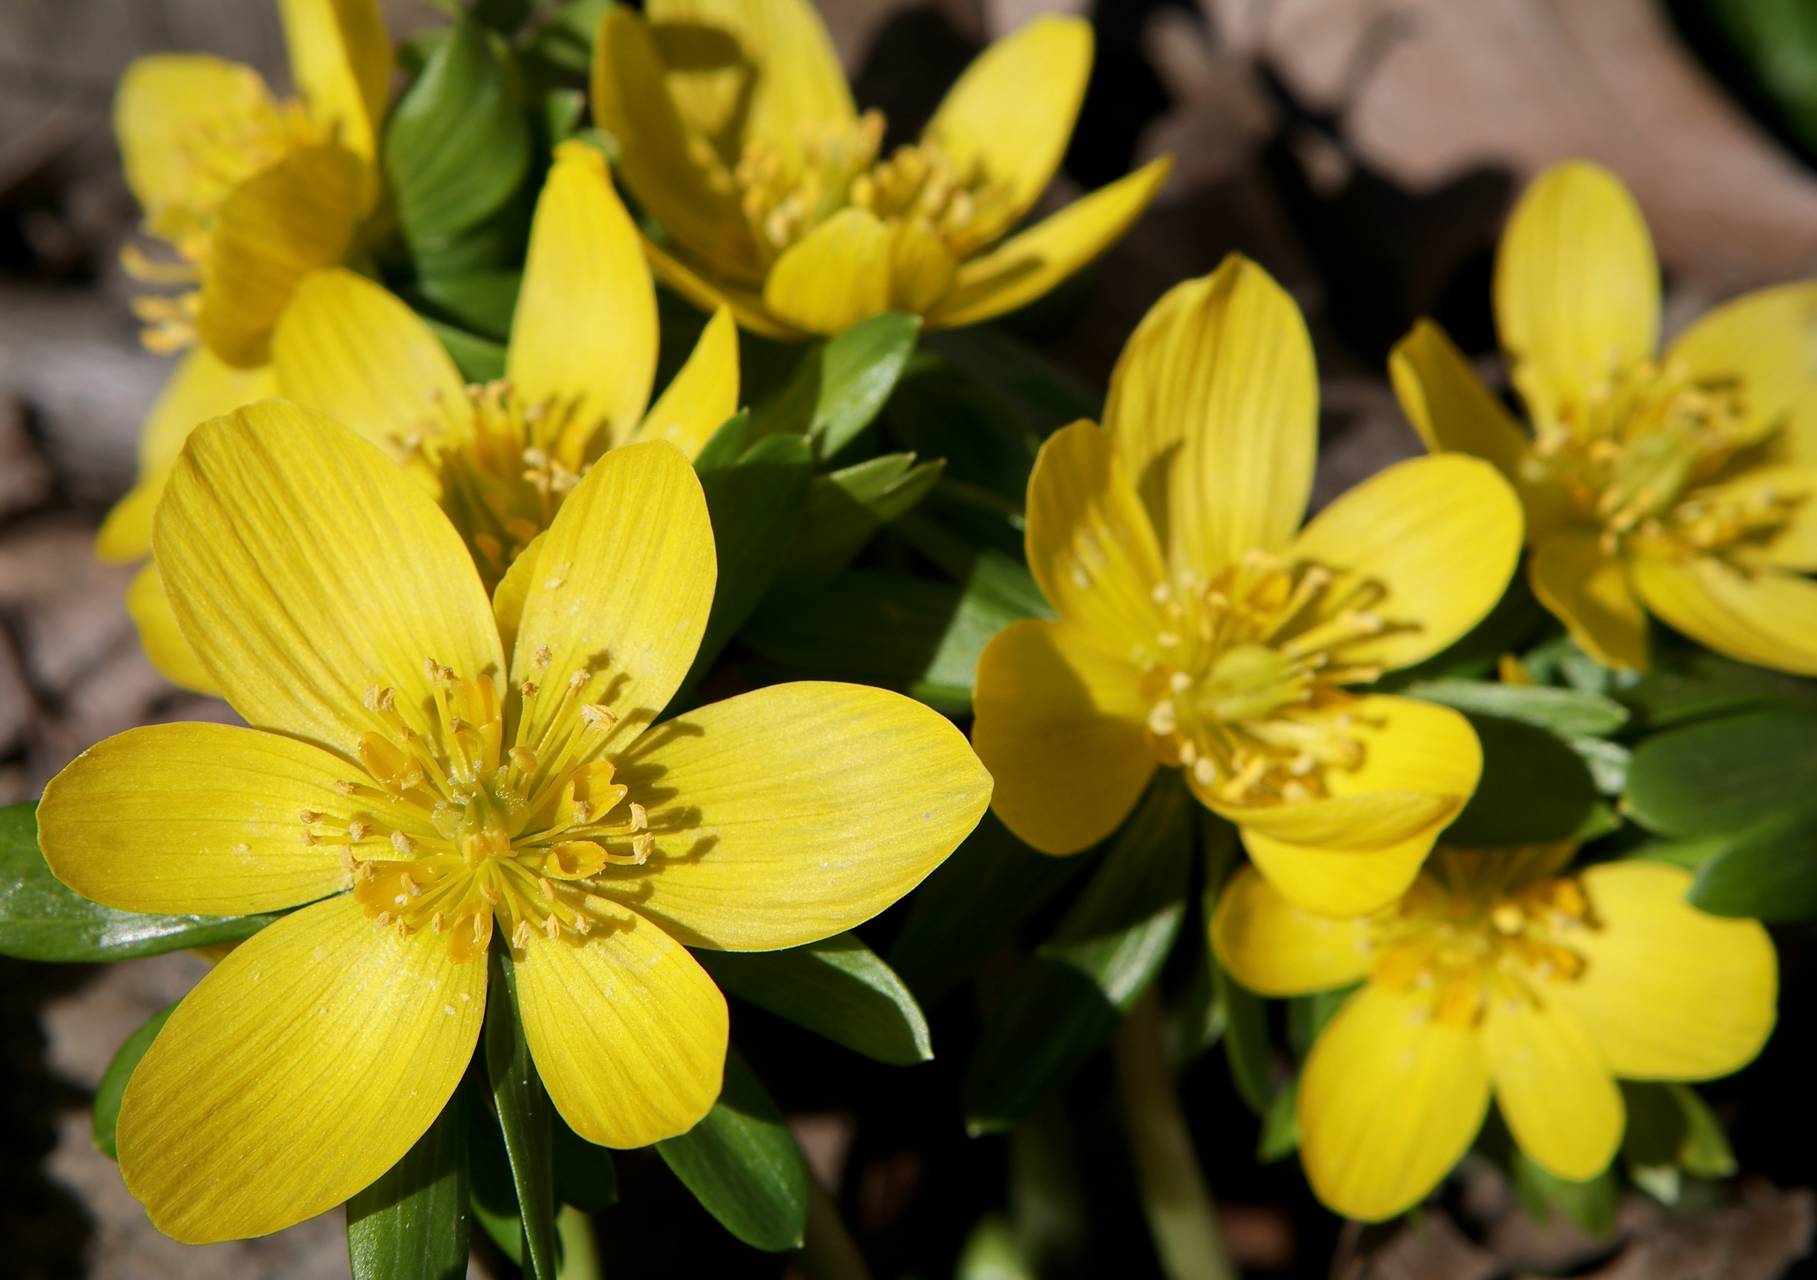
(579, 1251)
(1180, 1212)
(828, 1251)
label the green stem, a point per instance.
(828, 1251)
(579, 1251)
(1180, 1212)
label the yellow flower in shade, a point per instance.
(252, 192)
(431, 776)
(775, 196)
(499, 457)
(1498, 974)
(1198, 629)
(1681, 484)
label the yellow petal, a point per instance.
(305, 567)
(193, 818)
(1668, 992)
(340, 61)
(922, 268)
(1765, 616)
(1767, 342)
(698, 286)
(795, 812)
(164, 102)
(161, 636)
(624, 581)
(833, 277)
(302, 1067)
(1427, 546)
(1553, 1087)
(1214, 410)
(1589, 592)
(1028, 264)
(1060, 726)
(628, 1032)
(1389, 1101)
(1336, 881)
(1089, 543)
(1576, 283)
(292, 218)
(1793, 544)
(703, 393)
(660, 158)
(1277, 949)
(513, 590)
(201, 387)
(1009, 117)
(348, 347)
(585, 326)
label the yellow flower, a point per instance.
(1682, 484)
(740, 139)
(1197, 629)
(423, 771)
(500, 458)
(250, 191)
(1497, 973)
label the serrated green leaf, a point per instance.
(106, 1109)
(844, 508)
(1067, 999)
(1723, 774)
(525, 1115)
(743, 1165)
(839, 385)
(837, 987)
(1564, 712)
(413, 1221)
(42, 919)
(1534, 787)
(1589, 1206)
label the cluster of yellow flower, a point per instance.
(452, 615)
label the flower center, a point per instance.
(449, 829)
(1467, 941)
(1245, 682)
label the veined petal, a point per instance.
(1336, 881)
(585, 325)
(513, 591)
(628, 1032)
(1089, 543)
(703, 393)
(1793, 545)
(161, 635)
(710, 294)
(1275, 948)
(1765, 616)
(193, 819)
(922, 268)
(625, 579)
(1060, 726)
(833, 277)
(340, 60)
(163, 103)
(303, 1066)
(1589, 592)
(346, 346)
(202, 386)
(1427, 546)
(1214, 410)
(1389, 1101)
(306, 567)
(797, 811)
(1010, 116)
(1767, 341)
(1028, 264)
(295, 217)
(1576, 283)
(1668, 992)
(1553, 1087)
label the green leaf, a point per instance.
(1777, 40)
(1670, 1130)
(106, 1109)
(1694, 684)
(42, 919)
(1534, 788)
(1247, 1050)
(524, 1112)
(492, 1198)
(726, 445)
(457, 144)
(585, 1176)
(483, 300)
(994, 575)
(940, 413)
(1723, 774)
(564, 40)
(1564, 712)
(1067, 999)
(413, 1221)
(478, 359)
(1280, 1136)
(1765, 871)
(845, 508)
(1043, 395)
(839, 385)
(837, 987)
(742, 1164)
(1589, 1206)
(503, 16)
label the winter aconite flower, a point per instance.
(1681, 484)
(777, 197)
(1199, 630)
(1498, 974)
(433, 773)
(502, 456)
